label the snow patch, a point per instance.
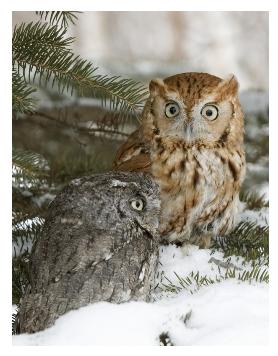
(260, 217)
(227, 313)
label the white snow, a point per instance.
(227, 313)
(260, 217)
(14, 309)
(265, 191)
(230, 312)
(181, 262)
(43, 199)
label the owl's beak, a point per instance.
(188, 127)
(152, 231)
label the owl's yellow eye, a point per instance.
(209, 112)
(172, 109)
(137, 204)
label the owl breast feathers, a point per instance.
(191, 141)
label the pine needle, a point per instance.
(253, 200)
(248, 240)
(194, 280)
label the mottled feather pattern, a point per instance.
(95, 246)
(198, 163)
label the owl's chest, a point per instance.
(188, 169)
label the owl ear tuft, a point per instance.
(229, 85)
(156, 87)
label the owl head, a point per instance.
(116, 201)
(194, 108)
(136, 196)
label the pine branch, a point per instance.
(62, 18)
(35, 35)
(29, 169)
(194, 280)
(20, 276)
(14, 331)
(21, 92)
(253, 200)
(165, 340)
(25, 230)
(33, 163)
(57, 65)
(248, 240)
(101, 130)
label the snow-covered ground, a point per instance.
(228, 312)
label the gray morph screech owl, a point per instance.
(191, 141)
(99, 243)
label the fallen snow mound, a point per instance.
(226, 313)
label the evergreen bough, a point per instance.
(41, 54)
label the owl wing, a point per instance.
(134, 154)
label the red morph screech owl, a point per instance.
(191, 141)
